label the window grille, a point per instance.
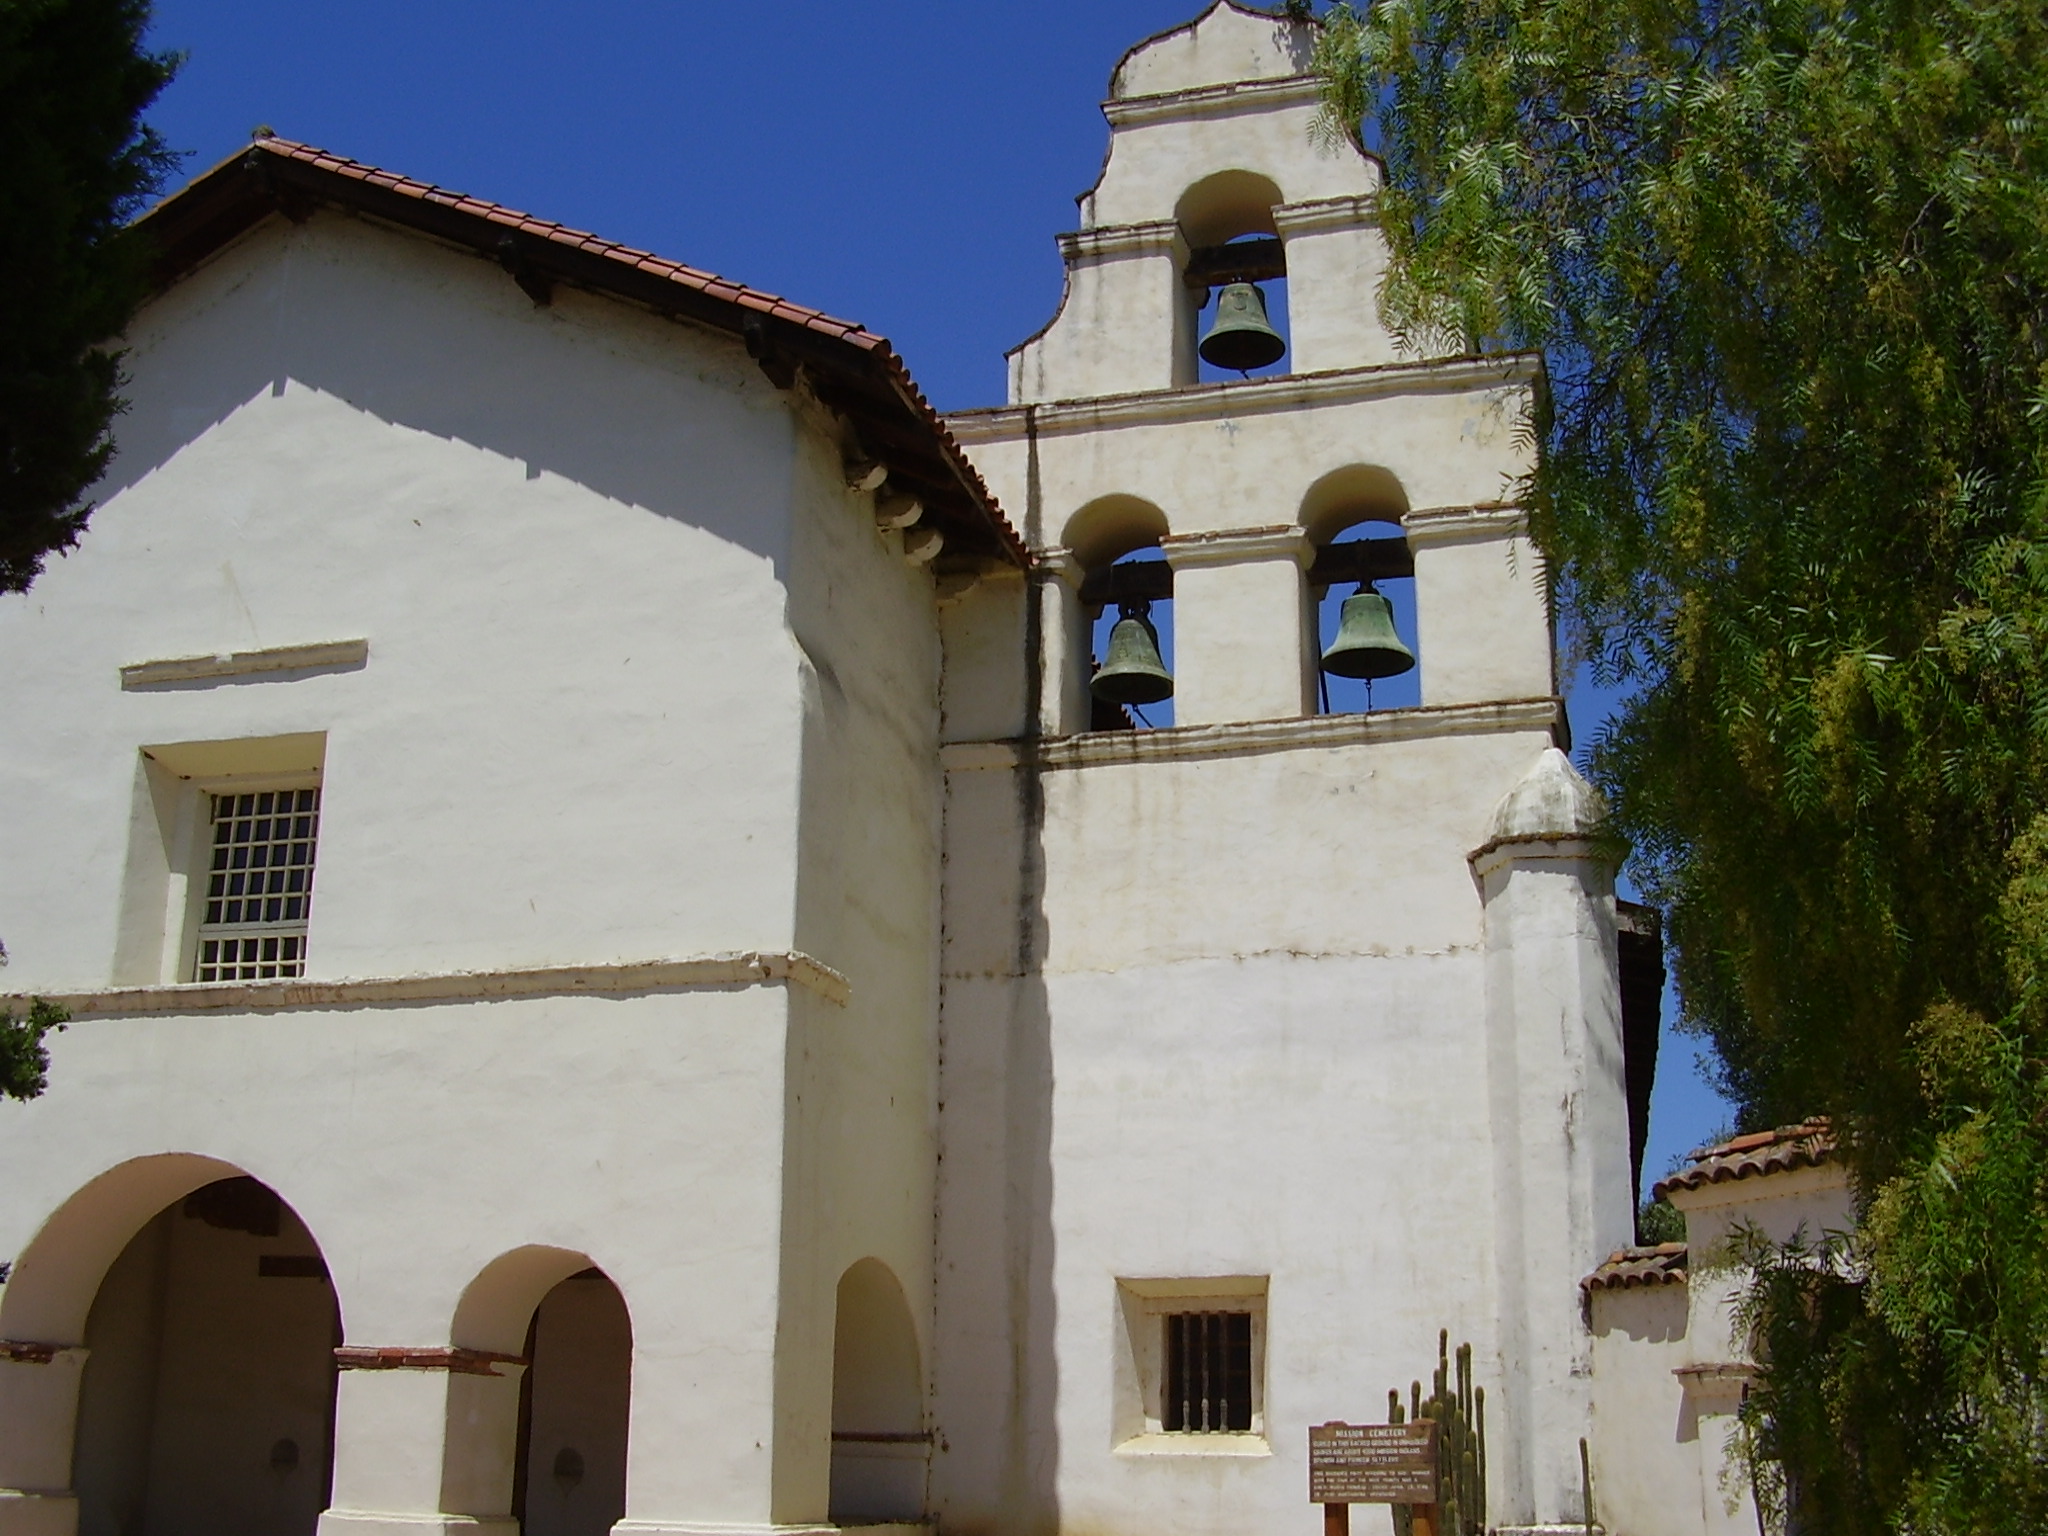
(1208, 1386)
(259, 886)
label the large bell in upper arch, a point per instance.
(1367, 645)
(1241, 337)
(1131, 671)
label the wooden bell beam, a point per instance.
(1151, 581)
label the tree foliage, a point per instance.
(78, 163)
(24, 1059)
(1788, 261)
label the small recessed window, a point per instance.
(259, 885)
(1187, 1377)
(1208, 1386)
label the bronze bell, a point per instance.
(1241, 338)
(1132, 672)
(1366, 644)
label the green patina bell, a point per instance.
(1366, 644)
(1242, 338)
(1132, 672)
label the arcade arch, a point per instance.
(554, 1453)
(881, 1451)
(1353, 517)
(208, 1323)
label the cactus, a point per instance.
(1459, 1409)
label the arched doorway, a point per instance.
(881, 1452)
(207, 1403)
(574, 1412)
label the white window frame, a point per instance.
(200, 872)
(1138, 1422)
(170, 830)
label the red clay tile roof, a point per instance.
(1627, 1268)
(850, 368)
(1806, 1145)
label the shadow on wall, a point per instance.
(445, 344)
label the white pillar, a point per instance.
(425, 1448)
(1238, 635)
(38, 1423)
(1481, 613)
(1064, 642)
(1560, 1123)
(1336, 261)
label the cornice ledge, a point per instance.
(1238, 546)
(1108, 241)
(1061, 562)
(1464, 525)
(1218, 402)
(1715, 1372)
(1560, 849)
(704, 973)
(1213, 100)
(1360, 210)
(1188, 743)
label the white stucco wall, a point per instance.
(588, 731)
(862, 1076)
(553, 527)
(1224, 1006)
(1645, 1440)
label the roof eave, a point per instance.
(850, 369)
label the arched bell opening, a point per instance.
(207, 1401)
(881, 1450)
(1362, 590)
(575, 1410)
(1126, 605)
(1233, 322)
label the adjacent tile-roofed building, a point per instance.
(1806, 1145)
(851, 369)
(1626, 1268)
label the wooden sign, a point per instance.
(1372, 1463)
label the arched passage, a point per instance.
(880, 1451)
(564, 1445)
(203, 1303)
(1115, 539)
(1353, 517)
(1227, 220)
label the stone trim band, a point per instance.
(463, 1362)
(1181, 743)
(280, 658)
(708, 973)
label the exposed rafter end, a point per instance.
(776, 363)
(516, 257)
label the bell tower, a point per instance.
(1279, 1018)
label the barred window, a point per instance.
(1208, 1376)
(259, 886)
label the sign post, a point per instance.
(1373, 1464)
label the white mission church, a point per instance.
(629, 972)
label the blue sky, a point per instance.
(902, 163)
